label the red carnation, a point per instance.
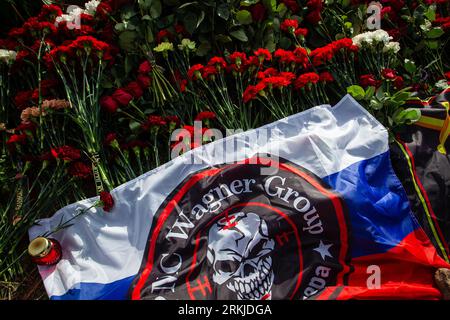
(47, 156)
(145, 67)
(24, 126)
(173, 119)
(205, 115)
(278, 81)
(238, 58)
(269, 72)
(103, 10)
(208, 72)
(321, 55)
(80, 170)
(287, 75)
(66, 153)
(164, 35)
(110, 137)
(122, 97)
(183, 85)
(144, 81)
(367, 80)
(289, 25)
(107, 200)
(109, 104)
(153, 121)
(179, 29)
(134, 89)
(388, 74)
(251, 91)
(301, 32)
(314, 17)
(17, 138)
(218, 62)
(291, 5)
(17, 33)
(258, 12)
(285, 56)
(301, 56)
(195, 72)
(47, 85)
(23, 99)
(263, 54)
(398, 82)
(326, 77)
(306, 79)
(49, 12)
(156, 121)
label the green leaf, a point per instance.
(134, 125)
(435, 33)
(239, 34)
(432, 44)
(269, 41)
(407, 116)
(223, 11)
(145, 4)
(356, 91)
(247, 3)
(184, 5)
(155, 9)
(431, 13)
(244, 17)
(270, 5)
(119, 27)
(285, 43)
(281, 9)
(127, 40)
(401, 97)
(375, 104)
(147, 18)
(370, 91)
(410, 66)
(223, 38)
(380, 94)
(190, 22)
(203, 49)
(201, 18)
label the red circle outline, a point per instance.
(135, 295)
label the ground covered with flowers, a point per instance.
(90, 98)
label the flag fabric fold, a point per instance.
(307, 207)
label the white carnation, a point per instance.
(91, 7)
(7, 56)
(74, 13)
(393, 47)
(381, 36)
(371, 37)
(441, 84)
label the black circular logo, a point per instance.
(254, 230)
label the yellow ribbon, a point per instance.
(443, 126)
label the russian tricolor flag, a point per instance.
(307, 207)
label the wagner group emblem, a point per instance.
(230, 232)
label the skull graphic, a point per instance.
(239, 251)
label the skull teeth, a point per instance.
(255, 286)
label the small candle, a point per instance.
(45, 251)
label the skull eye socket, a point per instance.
(227, 266)
(256, 250)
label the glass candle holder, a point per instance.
(45, 251)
